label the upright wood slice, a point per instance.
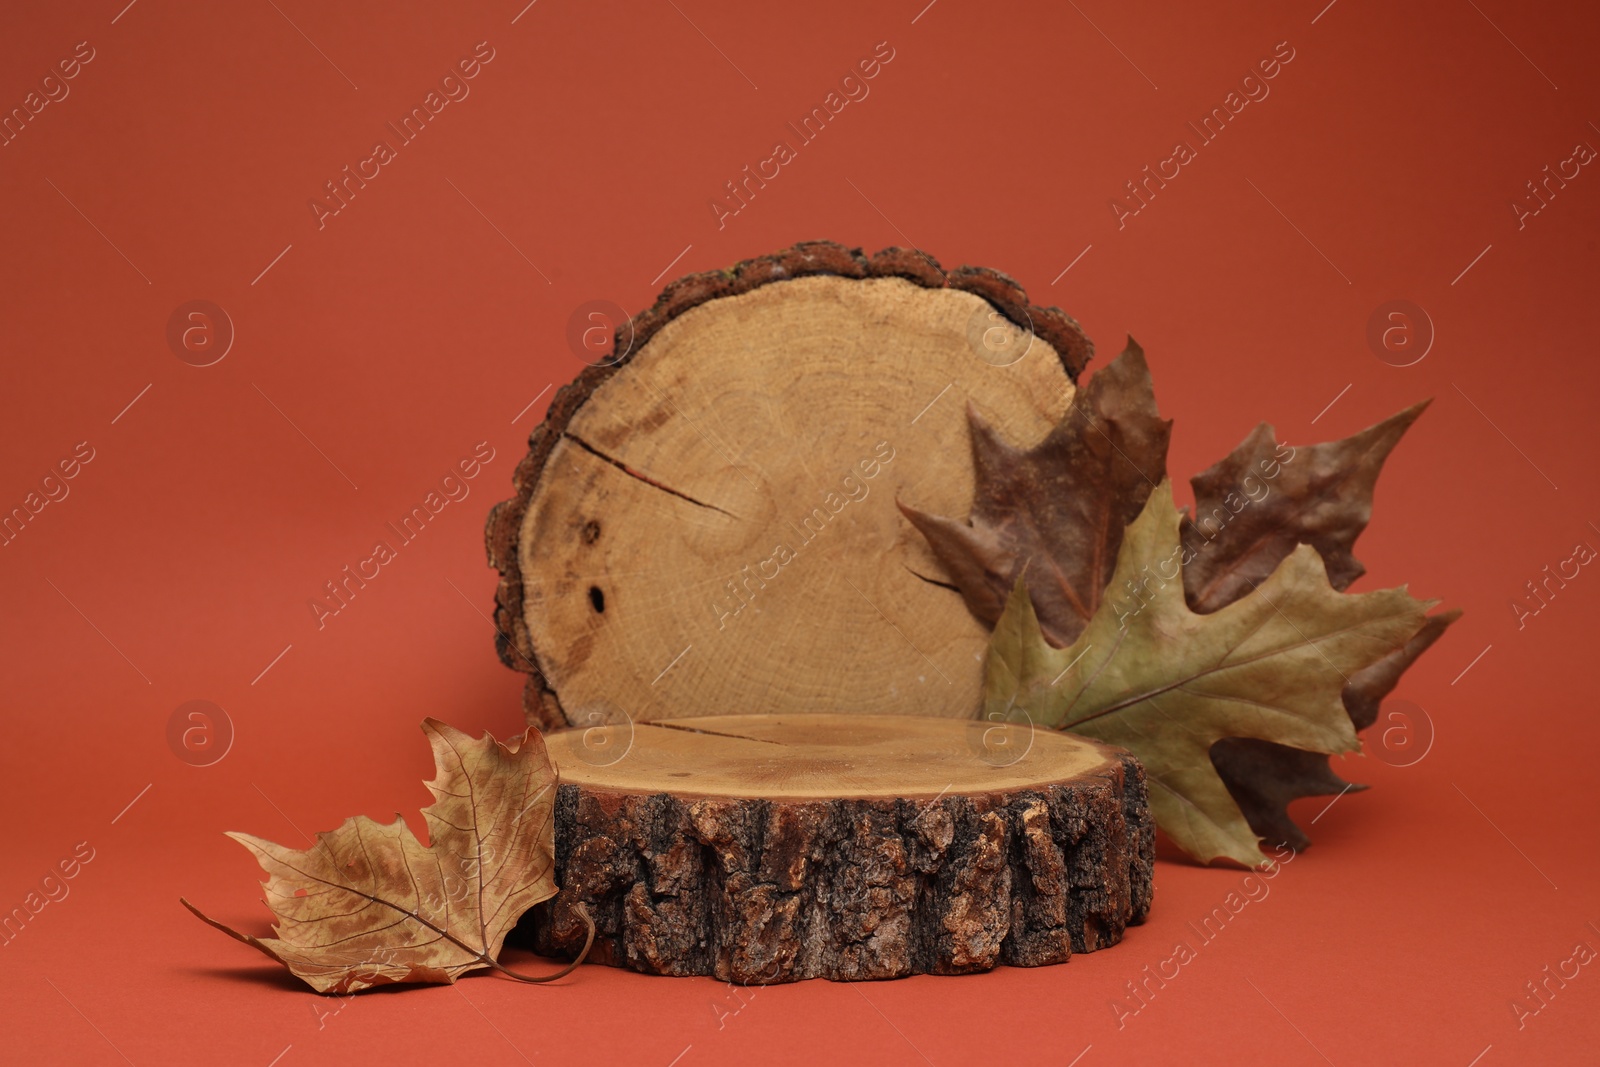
(771, 848)
(707, 524)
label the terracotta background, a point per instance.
(373, 353)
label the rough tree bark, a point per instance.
(766, 849)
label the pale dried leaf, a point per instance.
(370, 905)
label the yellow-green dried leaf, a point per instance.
(1152, 676)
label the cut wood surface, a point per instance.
(709, 525)
(771, 848)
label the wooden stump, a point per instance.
(764, 849)
(705, 523)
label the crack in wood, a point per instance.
(713, 733)
(645, 478)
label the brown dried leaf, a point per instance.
(1319, 495)
(1367, 688)
(370, 905)
(1264, 776)
(1056, 513)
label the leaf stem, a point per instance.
(583, 913)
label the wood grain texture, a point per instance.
(706, 524)
(766, 849)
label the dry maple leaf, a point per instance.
(1166, 683)
(370, 905)
(1055, 513)
(1264, 777)
(1318, 495)
(1251, 509)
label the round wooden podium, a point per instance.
(765, 849)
